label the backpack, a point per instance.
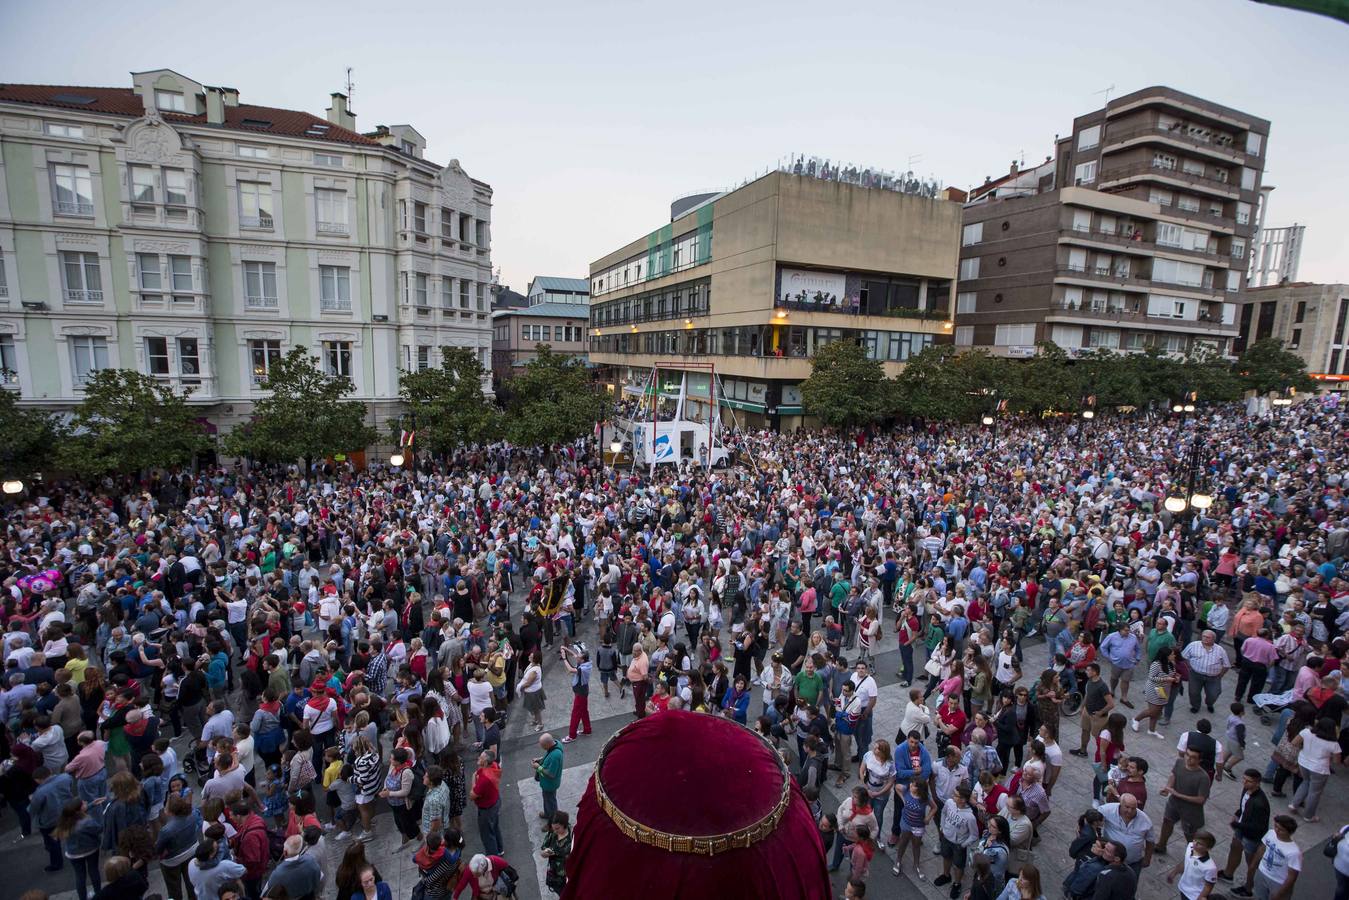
(506, 881)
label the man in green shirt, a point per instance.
(1160, 636)
(548, 773)
(838, 593)
(809, 684)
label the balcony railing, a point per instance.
(73, 207)
(4, 291)
(1103, 273)
(332, 304)
(84, 296)
(262, 222)
(1136, 312)
(1153, 169)
(338, 228)
(258, 302)
(1218, 142)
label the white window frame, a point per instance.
(1089, 137)
(78, 184)
(423, 357)
(1247, 178)
(335, 288)
(189, 364)
(330, 211)
(9, 360)
(337, 359)
(966, 301)
(1253, 143)
(262, 353)
(447, 292)
(173, 196)
(87, 286)
(64, 130)
(88, 354)
(255, 206)
(419, 217)
(170, 101)
(972, 233)
(1085, 173)
(180, 274)
(964, 335)
(259, 277)
(149, 275)
(151, 356)
(421, 290)
(141, 184)
(329, 160)
(969, 268)
(252, 151)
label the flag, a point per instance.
(405, 439)
(1002, 406)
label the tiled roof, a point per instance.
(551, 310)
(126, 102)
(549, 283)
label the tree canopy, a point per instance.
(1266, 366)
(28, 438)
(446, 404)
(845, 387)
(305, 416)
(552, 401)
(129, 422)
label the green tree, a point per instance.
(27, 438)
(1210, 377)
(129, 422)
(845, 387)
(1046, 381)
(447, 404)
(1113, 378)
(943, 383)
(305, 415)
(1265, 366)
(552, 401)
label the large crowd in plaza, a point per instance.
(233, 676)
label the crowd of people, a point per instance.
(233, 675)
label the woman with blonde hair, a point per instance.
(128, 807)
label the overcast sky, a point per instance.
(589, 117)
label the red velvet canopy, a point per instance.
(679, 775)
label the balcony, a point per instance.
(262, 222)
(1102, 274)
(201, 387)
(1150, 170)
(334, 305)
(252, 301)
(4, 292)
(1135, 312)
(83, 208)
(1218, 145)
(84, 296)
(1208, 217)
(338, 229)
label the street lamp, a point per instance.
(615, 446)
(987, 420)
(1088, 414)
(1174, 504)
(1282, 401)
(12, 486)
(397, 459)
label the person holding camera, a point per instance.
(577, 661)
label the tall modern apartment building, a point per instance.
(169, 228)
(1136, 234)
(752, 282)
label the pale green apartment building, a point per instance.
(169, 228)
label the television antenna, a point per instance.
(351, 87)
(1107, 92)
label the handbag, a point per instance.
(1332, 845)
(932, 667)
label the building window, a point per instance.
(422, 290)
(250, 152)
(447, 223)
(1088, 138)
(337, 358)
(142, 184)
(482, 297)
(972, 234)
(263, 355)
(157, 356)
(175, 187)
(1085, 173)
(1300, 313)
(1103, 337)
(965, 302)
(260, 285)
(335, 288)
(419, 218)
(547, 333)
(465, 289)
(423, 357)
(330, 160)
(1247, 179)
(83, 284)
(1015, 335)
(170, 101)
(1238, 248)
(1233, 280)
(964, 335)
(1296, 340)
(1163, 161)
(408, 147)
(1253, 143)
(9, 360)
(332, 211)
(4, 285)
(1169, 235)
(180, 268)
(969, 268)
(148, 275)
(73, 189)
(189, 361)
(61, 129)
(87, 356)
(447, 292)
(255, 204)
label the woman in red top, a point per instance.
(481, 875)
(1109, 749)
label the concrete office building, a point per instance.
(1135, 235)
(169, 228)
(755, 280)
(1311, 320)
(555, 316)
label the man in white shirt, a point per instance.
(1277, 864)
(865, 687)
(1197, 871)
